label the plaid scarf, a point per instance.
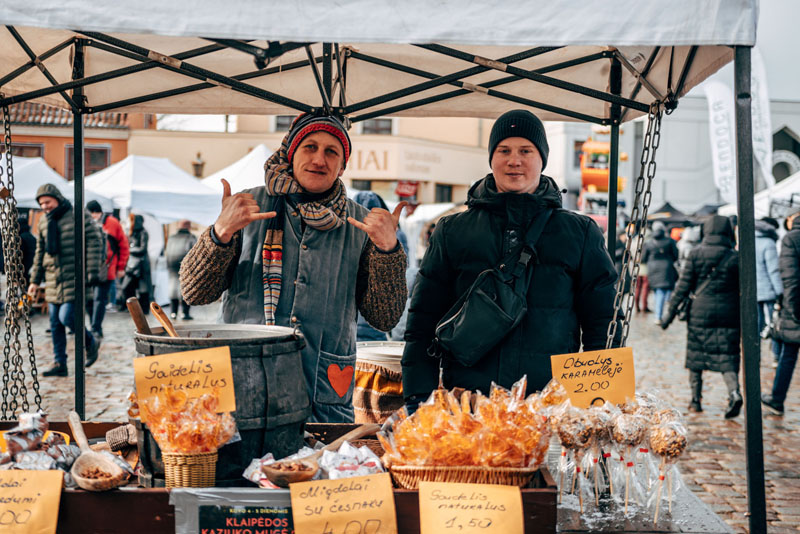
(321, 212)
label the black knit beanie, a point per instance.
(93, 206)
(519, 123)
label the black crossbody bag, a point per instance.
(685, 306)
(492, 307)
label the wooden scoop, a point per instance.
(163, 319)
(138, 317)
(284, 478)
(93, 462)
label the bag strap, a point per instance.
(527, 250)
(722, 261)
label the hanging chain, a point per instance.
(632, 256)
(15, 393)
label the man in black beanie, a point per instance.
(570, 277)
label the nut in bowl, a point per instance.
(284, 473)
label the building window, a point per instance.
(95, 158)
(377, 126)
(444, 193)
(26, 150)
(284, 122)
(576, 154)
(361, 185)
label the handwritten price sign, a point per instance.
(358, 505)
(592, 378)
(194, 372)
(469, 508)
(29, 501)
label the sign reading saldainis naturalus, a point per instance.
(594, 377)
(469, 508)
(194, 372)
(358, 505)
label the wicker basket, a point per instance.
(190, 470)
(409, 476)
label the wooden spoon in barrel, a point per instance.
(163, 319)
(283, 478)
(93, 463)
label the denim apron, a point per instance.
(318, 296)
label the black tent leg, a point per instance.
(613, 156)
(80, 239)
(756, 503)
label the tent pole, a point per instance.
(327, 69)
(80, 237)
(615, 84)
(756, 504)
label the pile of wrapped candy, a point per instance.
(629, 450)
(348, 461)
(27, 448)
(186, 425)
(505, 429)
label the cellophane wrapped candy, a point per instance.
(504, 429)
(187, 425)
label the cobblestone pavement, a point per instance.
(714, 465)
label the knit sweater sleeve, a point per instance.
(381, 286)
(207, 270)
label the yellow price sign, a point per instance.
(29, 501)
(446, 507)
(195, 372)
(358, 505)
(592, 378)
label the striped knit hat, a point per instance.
(308, 123)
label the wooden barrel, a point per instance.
(272, 401)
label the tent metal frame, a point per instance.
(336, 58)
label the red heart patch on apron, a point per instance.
(340, 379)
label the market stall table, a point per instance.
(132, 509)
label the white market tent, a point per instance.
(32, 173)
(158, 187)
(243, 174)
(782, 191)
(601, 62)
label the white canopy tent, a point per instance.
(600, 62)
(158, 187)
(782, 191)
(243, 174)
(488, 60)
(32, 173)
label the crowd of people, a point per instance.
(696, 279)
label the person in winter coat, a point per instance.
(789, 318)
(570, 296)
(137, 280)
(178, 246)
(769, 287)
(54, 264)
(298, 253)
(712, 336)
(117, 252)
(660, 254)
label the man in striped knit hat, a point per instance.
(297, 252)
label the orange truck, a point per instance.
(595, 163)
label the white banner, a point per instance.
(722, 128)
(762, 122)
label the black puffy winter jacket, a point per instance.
(570, 297)
(712, 338)
(789, 265)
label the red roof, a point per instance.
(33, 114)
